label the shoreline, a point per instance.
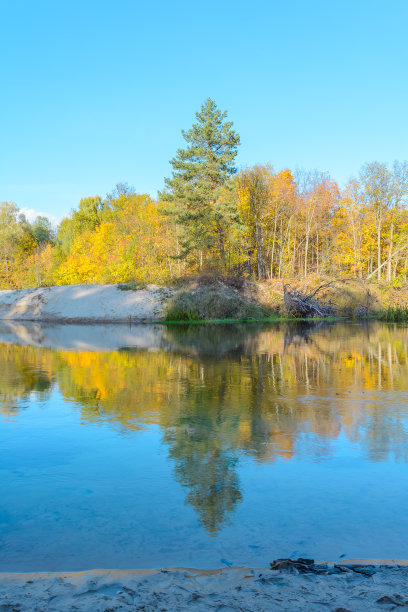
(383, 587)
(108, 304)
(191, 303)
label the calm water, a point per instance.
(205, 446)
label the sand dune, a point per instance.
(84, 304)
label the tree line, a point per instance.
(256, 222)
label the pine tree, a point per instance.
(199, 173)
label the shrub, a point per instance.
(209, 302)
(130, 286)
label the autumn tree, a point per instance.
(397, 207)
(253, 200)
(317, 194)
(86, 217)
(199, 172)
(129, 241)
(279, 221)
(351, 222)
(376, 181)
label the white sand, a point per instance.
(84, 303)
(183, 589)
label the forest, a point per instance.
(256, 222)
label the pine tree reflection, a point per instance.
(217, 392)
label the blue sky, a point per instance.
(94, 93)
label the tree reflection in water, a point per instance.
(271, 392)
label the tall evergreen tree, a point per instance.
(200, 171)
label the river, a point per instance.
(202, 446)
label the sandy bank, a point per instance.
(84, 304)
(201, 590)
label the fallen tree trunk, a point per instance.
(298, 304)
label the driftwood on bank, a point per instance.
(299, 304)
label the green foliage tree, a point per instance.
(11, 233)
(41, 230)
(199, 173)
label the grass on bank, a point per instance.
(270, 319)
(394, 315)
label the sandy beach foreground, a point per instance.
(383, 587)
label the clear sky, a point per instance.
(96, 92)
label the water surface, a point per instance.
(201, 446)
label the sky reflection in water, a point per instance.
(202, 446)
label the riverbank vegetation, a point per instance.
(394, 315)
(257, 223)
(213, 299)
